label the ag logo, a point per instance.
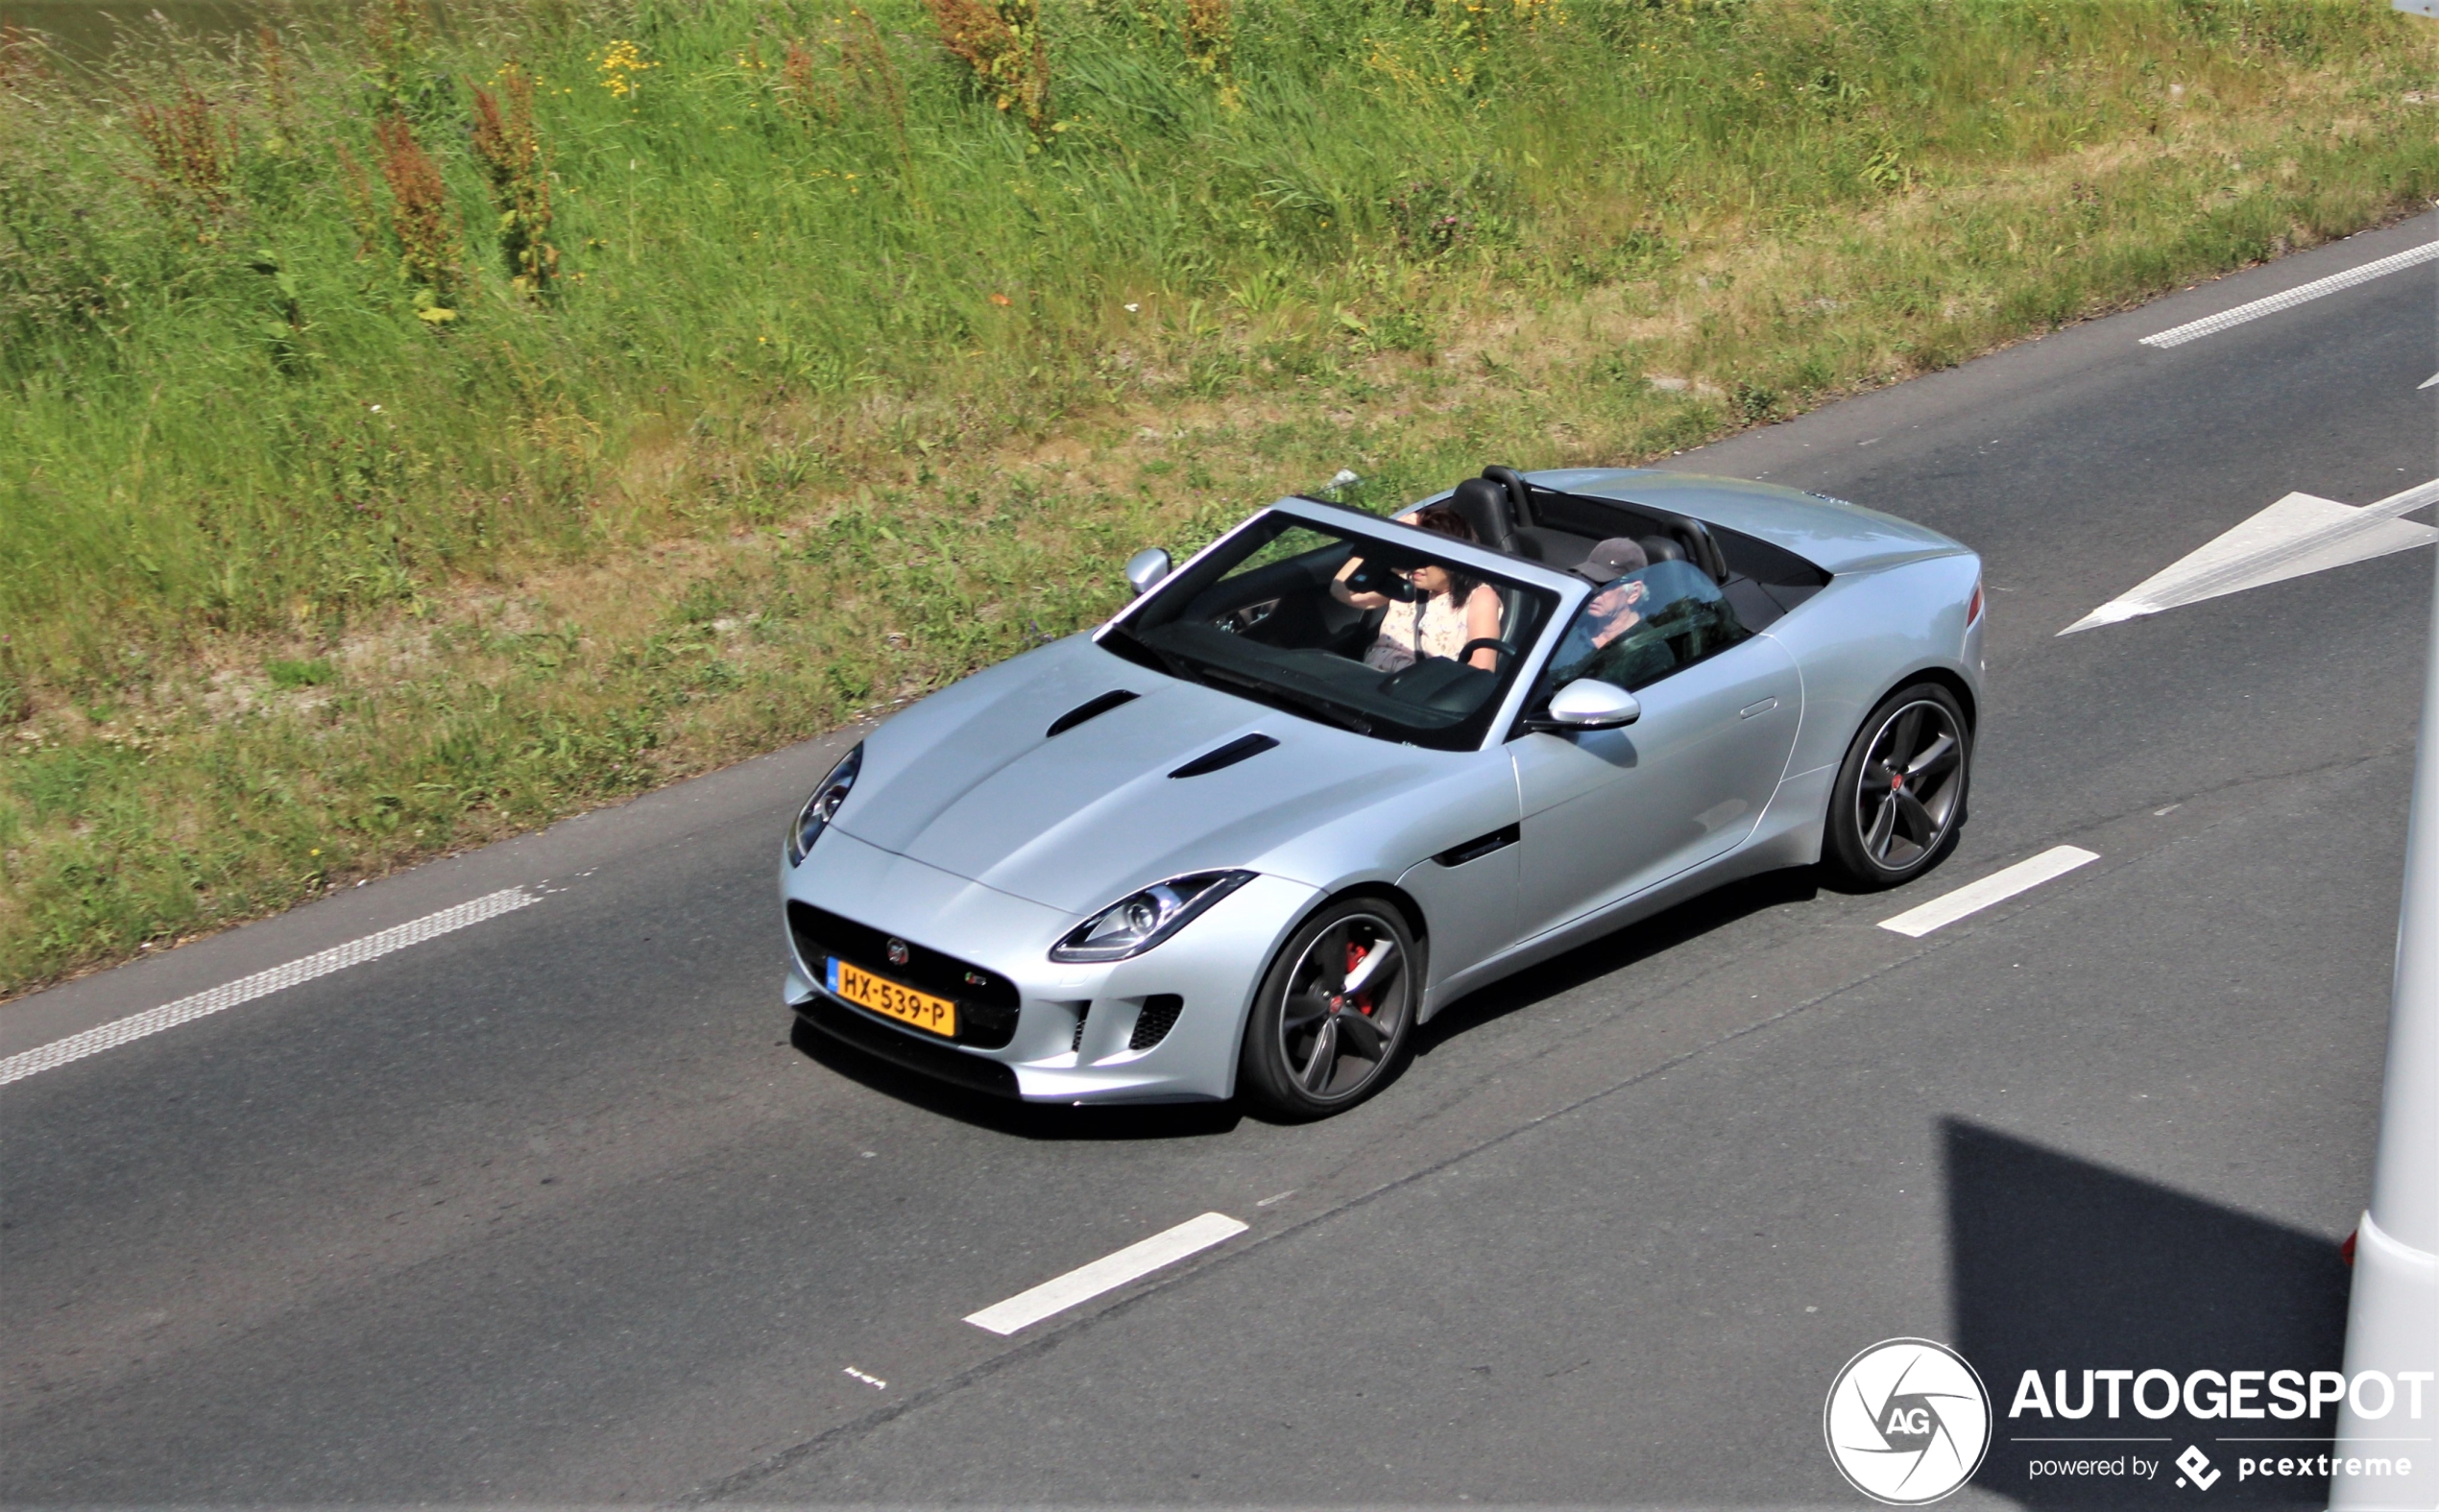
(1907, 1422)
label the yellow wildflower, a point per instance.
(620, 64)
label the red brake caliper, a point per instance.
(1355, 953)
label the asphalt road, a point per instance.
(551, 1209)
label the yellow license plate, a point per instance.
(882, 996)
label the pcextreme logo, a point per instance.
(1907, 1422)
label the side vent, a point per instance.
(1229, 754)
(1091, 708)
(1152, 1024)
(1481, 846)
(1081, 1009)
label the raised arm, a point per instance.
(1346, 595)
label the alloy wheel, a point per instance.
(1912, 776)
(1346, 1002)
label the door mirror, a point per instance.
(1145, 568)
(1587, 704)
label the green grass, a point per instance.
(832, 402)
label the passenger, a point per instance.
(1452, 610)
(1610, 612)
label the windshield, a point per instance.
(1391, 640)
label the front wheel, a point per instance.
(1331, 1022)
(1900, 792)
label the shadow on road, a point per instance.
(2063, 1265)
(1023, 1120)
(1617, 950)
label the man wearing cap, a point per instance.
(1609, 612)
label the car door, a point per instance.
(1606, 814)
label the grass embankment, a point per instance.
(424, 427)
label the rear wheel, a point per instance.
(1900, 792)
(1334, 1018)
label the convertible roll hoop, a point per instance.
(1526, 501)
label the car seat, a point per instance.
(1484, 505)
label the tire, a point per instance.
(1901, 794)
(1312, 1048)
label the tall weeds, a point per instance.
(1001, 41)
(1211, 34)
(511, 152)
(193, 147)
(422, 221)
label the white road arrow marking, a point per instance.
(2428, 382)
(2296, 535)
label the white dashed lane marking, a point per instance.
(1997, 888)
(1106, 1274)
(2212, 325)
(246, 989)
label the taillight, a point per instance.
(1973, 609)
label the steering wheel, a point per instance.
(1466, 653)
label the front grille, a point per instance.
(843, 1022)
(986, 1001)
(1158, 1016)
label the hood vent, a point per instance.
(1091, 708)
(1229, 754)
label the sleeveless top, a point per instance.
(1436, 627)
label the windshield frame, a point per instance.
(1494, 720)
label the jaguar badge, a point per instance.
(899, 954)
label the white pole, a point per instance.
(2391, 1459)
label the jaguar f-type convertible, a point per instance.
(1336, 771)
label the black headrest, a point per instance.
(1483, 504)
(1661, 548)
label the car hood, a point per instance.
(970, 782)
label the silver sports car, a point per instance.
(1336, 771)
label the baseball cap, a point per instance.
(1612, 559)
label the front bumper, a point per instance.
(1035, 1028)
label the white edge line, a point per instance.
(1995, 888)
(1111, 1271)
(2208, 325)
(246, 989)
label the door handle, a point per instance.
(1762, 707)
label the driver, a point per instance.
(1448, 609)
(1610, 612)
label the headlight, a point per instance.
(818, 810)
(1134, 925)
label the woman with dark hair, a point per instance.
(1449, 610)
